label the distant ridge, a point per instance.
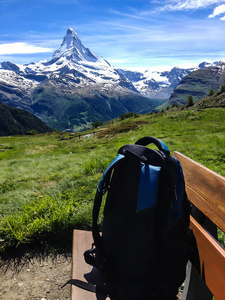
(198, 84)
(15, 121)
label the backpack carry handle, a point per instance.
(152, 140)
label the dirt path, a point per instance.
(38, 279)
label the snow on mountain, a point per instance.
(78, 87)
(75, 86)
(199, 83)
(208, 65)
(74, 60)
(73, 49)
(154, 83)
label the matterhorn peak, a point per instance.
(73, 50)
(72, 39)
(71, 31)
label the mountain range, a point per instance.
(77, 87)
(160, 84)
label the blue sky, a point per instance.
(127, 33)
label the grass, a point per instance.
(48, 181)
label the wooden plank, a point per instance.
(82, 241)
(205, 189)
(212, 260)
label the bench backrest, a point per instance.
(206, 190)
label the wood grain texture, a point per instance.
(212, 260)
(82, 241)
(205, 189)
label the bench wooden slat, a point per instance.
(205, 189)
(212, 260)
(82, 241)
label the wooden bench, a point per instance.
(206, 190)
(206, 276)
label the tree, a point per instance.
(96, 124)
(222, 89)
(127, 115)
(32, 132)
(174, 105)
(190, 101)
(211, 92)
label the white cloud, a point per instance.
(189, 4)
(218, 11)
(22, 48)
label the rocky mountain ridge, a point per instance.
(198, 84)
(160, 84)
(77, 87)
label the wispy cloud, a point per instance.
(22, 48)
(178, 5)
(125, 26)
(218, 11)
(134, 15)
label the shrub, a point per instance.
(190, 101)
(222, 89)
(96, 124)
(32, 132)
(211, 92)
(127, 115)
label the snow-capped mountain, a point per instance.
(198, 83)
(73, 49)
(72, 55)
(75, 87)
(160, 84)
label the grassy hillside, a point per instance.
(215, 100)
(48, 181)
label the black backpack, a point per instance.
(143, 249)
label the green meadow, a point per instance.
(48, 181)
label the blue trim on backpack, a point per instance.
(109, 168)
(164, 146)
(148, 186)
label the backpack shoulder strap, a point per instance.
(106, 175)
(101, 190)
